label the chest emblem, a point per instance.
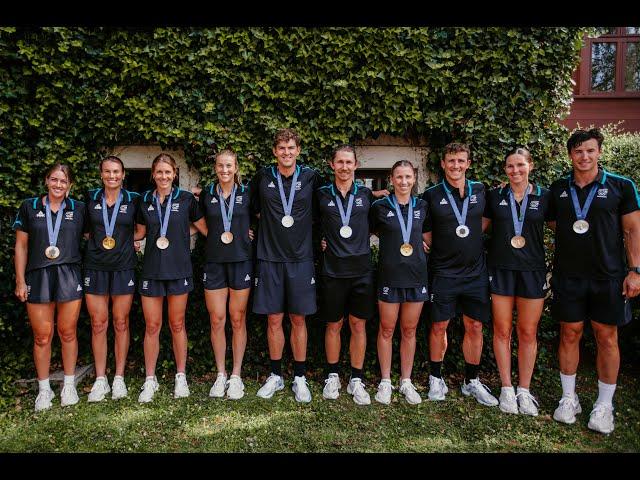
(390, 214)
(358, 202)
(175, 207)
(602, 192)
(331, 204)
(150, 208)
(564, 194)
(473, 199)
(68, 216)
(97, 207)
(271, 185)
(534, 205)
(40, 214)
(444, 202)
(214, 200)
(298, 185)
(123, 208)
(503, 202)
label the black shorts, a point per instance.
(471, 294)
(402, 295)
(347, 296)
(516, 283)
(285, 286)
(56, 283)
(576, 299)
(235, 275)
(97, 282)
(162, 288)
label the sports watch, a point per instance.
(634, 269)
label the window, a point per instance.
(373, 178)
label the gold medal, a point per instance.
(518, 241)
(580, 226)
(226, 237)
(108, 243)
(406, 249)
(52, 252)
(162, 243)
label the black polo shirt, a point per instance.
(32, 219)
(239, 249)
(498, 210)
(123, 255)
(394, 269)
(175, 261)
(450, 255)
(345, 257)
(599, 253)
(277, 243)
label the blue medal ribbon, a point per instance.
(110, 225)
(164, 224)
(518, 221)
(405, 229)
(227, 216)
(344, 217)
(53, 232)
(462, 218)
(287, 206)
(581, 214)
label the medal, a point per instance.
(162, 243)
(462, 230)
(518, 241)
(108, 243)
(52, 251)
(581, 226)
(345, 231)
(406, 249)
(287, 221)
(226, 237)
(110, 224)
(287, 205)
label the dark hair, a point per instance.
(345, 147)
(519, 151)
(227, 152)
(284, 135)
(166, 158)
(403, 163)
(111, 158)
(578, 137)
(64, 168)
(455, 147)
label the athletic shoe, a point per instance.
(480, 392)
(301, 389)
(181, 389)
(567, 409)
(217, 390)
(149, 388)
(331, 387)
(99, 390)
(383, 395)
(601, 418)
(409, 392)
(68, 395)
(43, 400)
(355, 387)
(118, 388)
(271, 386)
(508, 401)
(235, 390)
(527, 404)
(437, 388)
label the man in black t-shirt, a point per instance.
(595, 214)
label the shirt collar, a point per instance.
(451, 188)
(600, 178)
(353, 190)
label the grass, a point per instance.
(202, 424)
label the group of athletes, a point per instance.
(431, 249)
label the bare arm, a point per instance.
(141, 231)
(552, 225)
(426, 241)
(199, 226)
(486, 223)
(631, 231)
(20, 262)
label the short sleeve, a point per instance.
(629, 201)
(427, 226)
(195, 212)
(551, 214)
(318, 180)
(140, 216)
(488, 206)
(373, 219)
(254, 189)
(22, 218)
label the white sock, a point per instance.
(120, 377)
(103, 377)
(150, 377)
(523, 390)
(605, 393)
(69, 379)
(506, 388)
(568, 385)
(385, 380)
(44, 384)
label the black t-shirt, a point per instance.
(452, 256)
(598, 253)
(175, 261)
(123, 255)
(394, 269)
(31, 219)
(240, 248)
(277, 243)
(345, 257)
(498, 210)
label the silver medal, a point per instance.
(580, 226)
(287, 221)
(462, 231)
(345, 231)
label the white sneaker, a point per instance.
(217, 390)
(181, 389)
(355, 387)
(480, 392)
(271, 386)
(43, 400)
(99, 390)
(437, 388)
(301, 389)
(567, 409)
(409, 391)
(508, 402)
(149, 388)
(527, 404)
(383, 395)
(68, 395)
(601, 419)
(235, 390)
(332, 387)
(118, 388)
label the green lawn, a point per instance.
(201, 424)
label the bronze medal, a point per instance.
(226, 237)
(518, 241)
(52, 252)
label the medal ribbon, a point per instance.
(287, 206)
(345, 218)
(53, 232)
(581, 214)
(164, 224)
(110, 225)
(518, 222)
(226, 216)
(405, 229)
(465, 205)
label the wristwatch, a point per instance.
(634, 269)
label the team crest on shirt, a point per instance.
(298, 185)
(473, 199)
(97, 207)
(204, 277)
(239, 199)
(331, 204)
(503, 202)
(564, 194)
(390, 214)
(256, 282)
(416, 214)
(145, 284)
(28, 289)
(214, 200)
(602, 192)
(150, 208)
(534, 205)
(68, 216)
(444, 202)
(40, 214)
(87, 281)
(123, 208)
(358, 202)
(175, 207)
(271, 185)
(385, 290)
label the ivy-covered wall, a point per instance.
(68, 94)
